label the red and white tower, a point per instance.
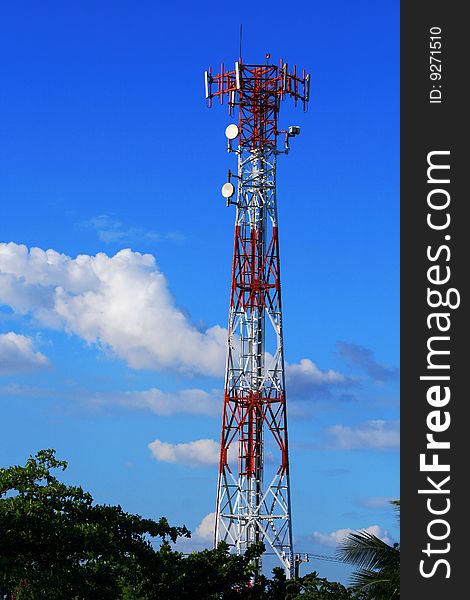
(253, 496)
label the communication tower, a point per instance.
(253, 495)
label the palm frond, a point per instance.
(378, 574)
(366, 578)
(367, 551)
(380, 585)
(377, 585)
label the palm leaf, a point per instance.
(379, 585)
(367, 551)
(379, 565)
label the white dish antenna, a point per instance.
(228, 190)
(232, 131)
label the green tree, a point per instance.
(55, 543)
(309, 587)
(209, 575)
(378, 574)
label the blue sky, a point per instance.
(107, 147)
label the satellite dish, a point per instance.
(228, 190)
(232, 131)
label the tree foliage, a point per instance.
(378, 574)
(56, 543)
(313, 587)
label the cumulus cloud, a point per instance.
(306, 379)
(202, 536)
(205, 529)
(336, 537)
(17, 355)
(363, 358)
(195, 454)
(123, 303)
(306, 371)
(376, 434)
(120, 302)
(192, 401)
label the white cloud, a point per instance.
(377, 434)
(198, 453)
(195, 454)
(192, 401)
(17, 355)
(205, 529)
(202, 536)
(308, 370)
(120, 302)
(336, 537)
(306, 379)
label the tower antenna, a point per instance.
(253, 491)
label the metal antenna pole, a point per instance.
(253, 494)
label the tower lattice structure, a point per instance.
(253, 493)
